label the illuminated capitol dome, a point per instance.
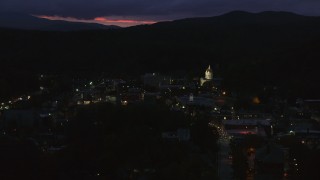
(208, 73)
(208, 76)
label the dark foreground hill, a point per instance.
(251, 51)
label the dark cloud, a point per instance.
(165, 9)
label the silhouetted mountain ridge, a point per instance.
(242, 18)
(29, 22)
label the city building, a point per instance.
(260, 127)
(154, 80)
(18, 121)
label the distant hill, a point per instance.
(29, 22)
(242, 17)
(251, 51)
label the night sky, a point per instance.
(132, 12)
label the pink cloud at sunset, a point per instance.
(101, 20)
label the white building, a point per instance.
(208, 76)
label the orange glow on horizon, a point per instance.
(100, 20)
(105, 20)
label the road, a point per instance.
(225, 163)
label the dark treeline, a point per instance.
(251, 51)
(112, 142)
